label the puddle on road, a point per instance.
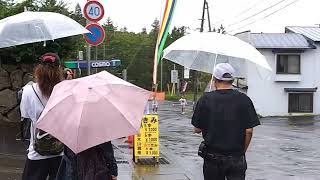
(282, 148)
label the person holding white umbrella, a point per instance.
(226, 119)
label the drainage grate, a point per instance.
(152, 161)
(122, 162)
(124, 146)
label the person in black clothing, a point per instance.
(226, 119)
(96, 163)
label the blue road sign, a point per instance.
(96, 36)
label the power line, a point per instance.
(251, 7)
(241, 12)
(262, 11)
(265, 16)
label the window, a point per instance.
(288, 64)
(300, 102)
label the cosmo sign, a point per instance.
(98, 64)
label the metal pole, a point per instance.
(89, 59)
(89, 56)
(173, 86)
(161, 76)
(96, 58)
(104, 51)
(124, 74)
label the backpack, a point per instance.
(44, 143)
(25, 123)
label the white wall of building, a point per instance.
(269, 96)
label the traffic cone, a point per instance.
(130, 141)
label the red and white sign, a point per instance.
(96, 36)
(93, 11)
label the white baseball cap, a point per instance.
(224, 72)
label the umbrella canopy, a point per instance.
(85, 112)
(202, 51)
(30, 27)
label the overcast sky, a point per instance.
(234, 14)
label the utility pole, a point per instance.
(209, 22)
(196, 74)
(161, 77)
(203, 13)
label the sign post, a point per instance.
(174, 81)
(93, 12)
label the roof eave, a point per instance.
(291, 48)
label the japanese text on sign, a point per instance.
(146, 143)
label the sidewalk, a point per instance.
(171, 166)
(12, 153)
(167, 169)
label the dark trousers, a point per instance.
(41, 169)
(223, 167)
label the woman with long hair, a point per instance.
(48, 73)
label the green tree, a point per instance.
(78, 16)
(144, 30)
(54, 6)
(155, 29)
(176, 33)
(124, 29)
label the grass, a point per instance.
(188, 96)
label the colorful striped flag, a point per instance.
(163, 34)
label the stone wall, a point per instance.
(12, 79)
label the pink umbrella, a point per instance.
(85, 112)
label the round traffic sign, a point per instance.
(93, 11)
(96, 36)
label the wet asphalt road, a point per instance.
(282, 148)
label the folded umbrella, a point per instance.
(85, 112)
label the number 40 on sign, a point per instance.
(93, 11)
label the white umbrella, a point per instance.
(202, 51)
(29, 27)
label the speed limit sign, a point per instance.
(93, 11)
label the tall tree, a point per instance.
(144, 30)
(57, 6)
(124, 29)
(78, 16)
(155, 29)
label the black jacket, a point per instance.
(75, 166)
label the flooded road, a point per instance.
(282, 148)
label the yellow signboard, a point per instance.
(146, 143)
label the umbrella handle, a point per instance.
(214, 66)
(37, 27)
